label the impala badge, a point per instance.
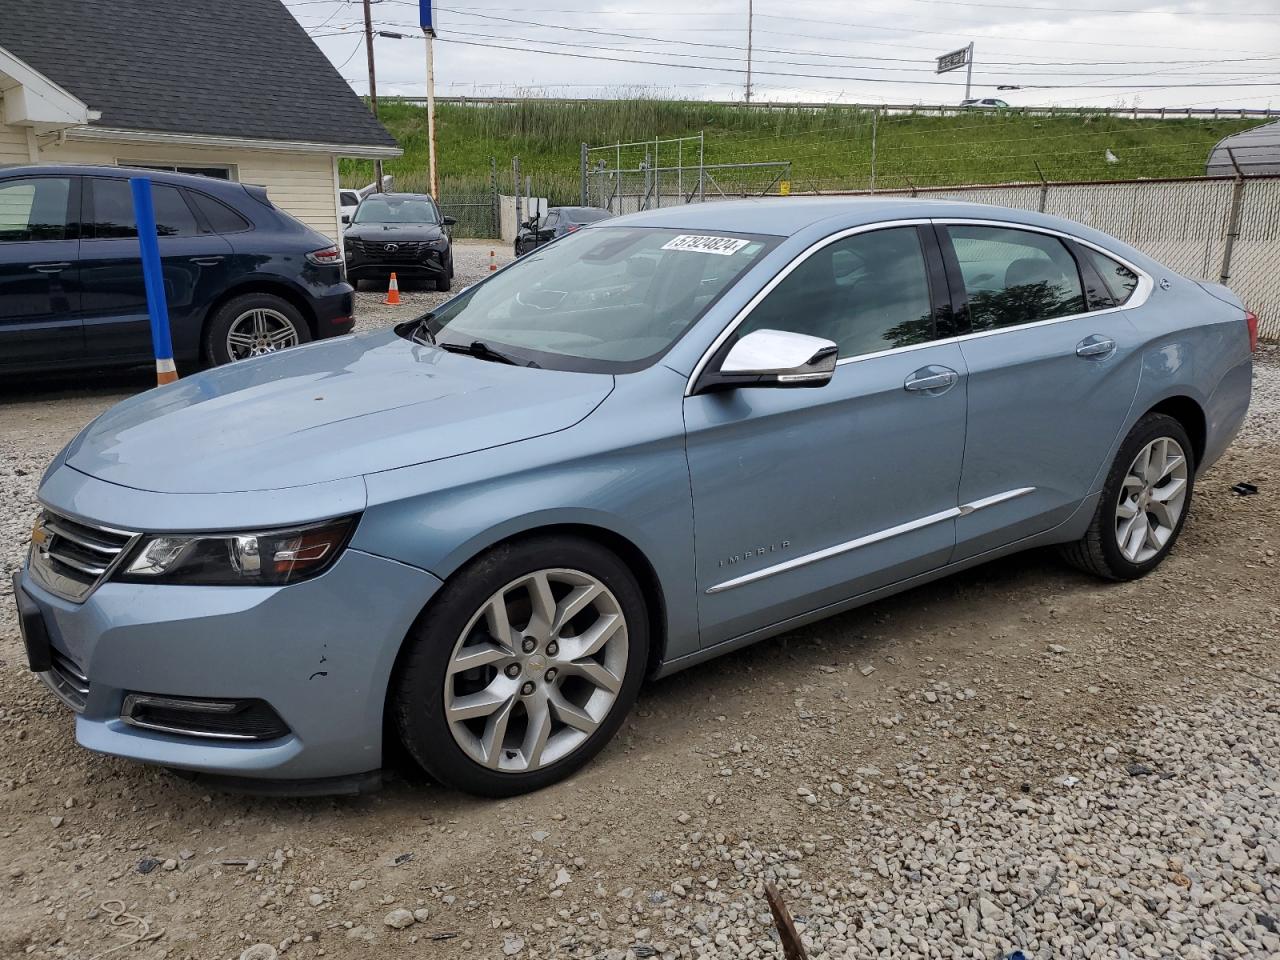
(755, 552)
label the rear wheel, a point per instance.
(1144, 503)
(523, 667)
(251, 325)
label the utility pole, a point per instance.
(750, 18)
(373, 83)
(430, 34)
(968, 77)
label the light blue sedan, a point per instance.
(654, 441)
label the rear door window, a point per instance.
(1014, 277)
(111, 214)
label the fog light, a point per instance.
(200, 717)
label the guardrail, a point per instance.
(1136, 113)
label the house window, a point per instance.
(216, 171)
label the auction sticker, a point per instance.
(693, 243)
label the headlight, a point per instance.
(262, 558)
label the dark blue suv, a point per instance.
(241, 276)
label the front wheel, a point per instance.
(1144, 503)
(523, 667)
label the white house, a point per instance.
(232, 89)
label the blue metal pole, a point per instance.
(153, 277)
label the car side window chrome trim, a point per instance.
(1145, 286)
(950, 514)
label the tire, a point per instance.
(283, 319)
(1100, 550)
(445, 284)
(463, 752)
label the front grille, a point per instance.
(68, 681)
(71, 557)
(377, 249)
(199, 717)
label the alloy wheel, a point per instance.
(536, 670)
(1152, 497)
(259, 331)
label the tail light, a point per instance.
(573, 228)
(326, 256)
(1251, 321)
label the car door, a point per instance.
(805, 497)
(545, 229)
(39, 272)
(1053, 371)
(117, 324)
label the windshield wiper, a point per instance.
(482, 351)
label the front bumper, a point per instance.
(363, 268)
(319, 652)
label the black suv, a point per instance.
(242, 278)
(400, 233)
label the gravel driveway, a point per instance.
(1016, 758)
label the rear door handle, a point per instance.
(1095, 347)
(50, 267)
(207, 261)
(932, 379)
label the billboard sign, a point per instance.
(946, 63)
(424, 16)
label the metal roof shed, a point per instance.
(1256, 150)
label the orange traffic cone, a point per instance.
(393, 292)
(493, 261)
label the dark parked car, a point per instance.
(556, 222)
(401, 233)
(242, 277)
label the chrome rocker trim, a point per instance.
(963, 510)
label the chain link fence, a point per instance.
(649, 174)
(632, 190)
(1224, 229)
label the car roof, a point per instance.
(401, 196)
(788, 216)
(571, 211)
(208, 184)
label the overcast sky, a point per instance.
(873, 51)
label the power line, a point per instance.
(820, 76)
(792, 51)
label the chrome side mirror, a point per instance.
(774, 358)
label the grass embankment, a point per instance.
(829, 148)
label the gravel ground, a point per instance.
(1016, 758)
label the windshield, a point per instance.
(607, 299)
(397, 210)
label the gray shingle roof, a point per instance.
(237, 68)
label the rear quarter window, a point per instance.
(220, 217)
(1120, 282)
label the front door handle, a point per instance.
(207, 261)
(932, 379)
(50, 267)
(1095, 347)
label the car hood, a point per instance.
(328, 411)
(394, 231)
